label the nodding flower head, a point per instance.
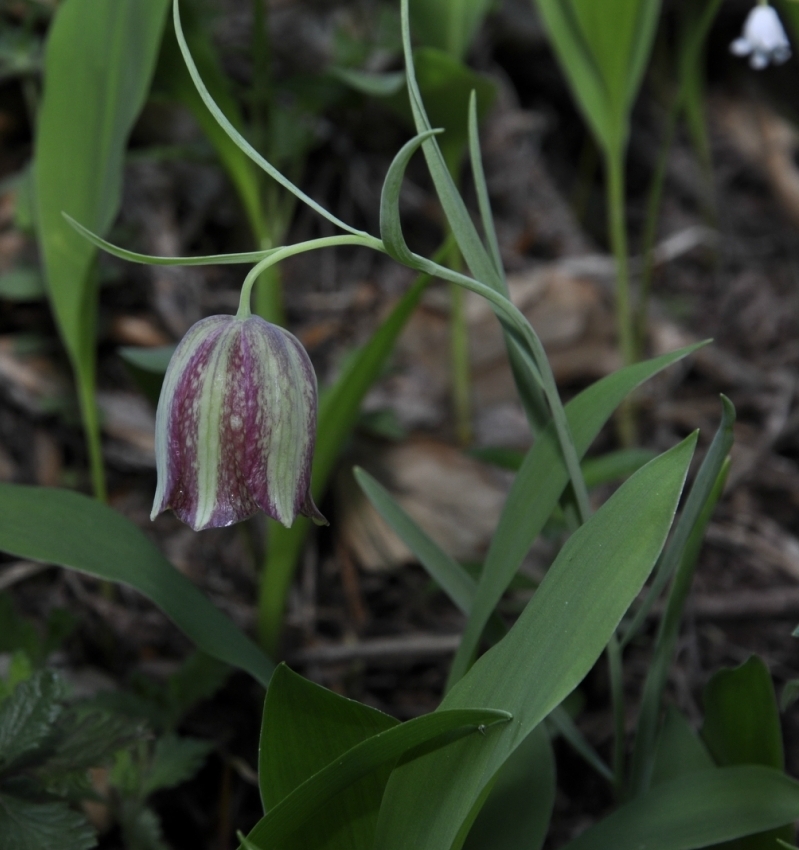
(236, 425)
(763, 39)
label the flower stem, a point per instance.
(245, 309)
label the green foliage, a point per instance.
(449, 25)
(698, 810)
(46, 747)
(98, 65)
(324, 762)
(544, 656)
(518, 808)
(742, 726)
(60, 527)
(20, 633)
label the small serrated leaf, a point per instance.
(27, 717)
(174, 761)
(25, 825)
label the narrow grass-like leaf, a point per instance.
(448, 573)
(483, 201)
(464, 231)
(695, 503)
(316, 745)
(147, 259)
(537, 488)
(175, 79)
(241, 142)
(550, 648)
(71, 530)
(390, 225)
(560, 720)
(339, 408)
(665, 644)
(98, 65)
(517, 812)
(698, 810)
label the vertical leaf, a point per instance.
(98, 64)
(550, 648)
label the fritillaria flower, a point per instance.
(236, 425)
(763, 38)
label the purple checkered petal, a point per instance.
(236, 425)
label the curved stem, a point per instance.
(245, 310)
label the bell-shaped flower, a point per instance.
(763, 39)
(236, 425)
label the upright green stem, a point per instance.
(624, 321)
(84, 374)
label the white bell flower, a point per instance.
(763, 39)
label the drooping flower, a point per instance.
(236, 425)
(763, 39)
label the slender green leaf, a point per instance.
(339, 407)
(153, 360)
(695, 504)
(476, 159)
(697, 810)
(562, 722)
(517, 812)
(374, 85)
(448, 573)
(147, 259)
(239, 140)
(550, 648)
(175, 80)
(71, 530)
(684, 549)
(464, 231)
(390, 224)
(319, 753)
(537, 488)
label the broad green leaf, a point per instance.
(603, 49)
(98, 65)
(324, 761)
(71, 530)
(551, 647)
(517, 812)
(449, 25)
(697, 810)
(537, 488)
(742, 726)
(26, 825)
(339, 407)
(742, 720)
(679, 750)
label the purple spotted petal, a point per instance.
(236, 425)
